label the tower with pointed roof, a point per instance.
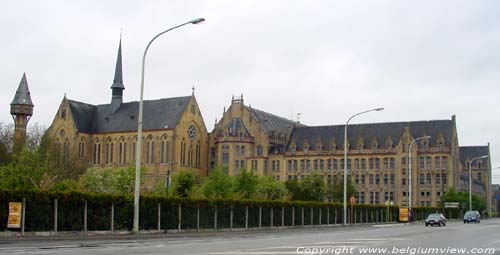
(117, 87)
(21, 110)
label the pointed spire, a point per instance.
(118, 80)
(117, 87)
(22, 96)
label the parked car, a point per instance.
(472, 216)
(435, 219)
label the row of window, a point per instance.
(189, 156)
(426, 179)
(424, 146)
(374, 197)
(338, 164)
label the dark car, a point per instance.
(435, 219)
(472, 216)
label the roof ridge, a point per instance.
(376, 123)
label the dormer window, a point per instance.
(441, 145)
(293, 147)
(425, 145)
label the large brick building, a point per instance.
(174, 133)
(248, 138)
(176, 139)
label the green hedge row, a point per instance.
(40, 212)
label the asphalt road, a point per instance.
(483, 238)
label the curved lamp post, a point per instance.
(470, 180)
(345, 158)
(410, 205)
(137, 188)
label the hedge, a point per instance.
(40, 212)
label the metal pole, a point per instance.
(282, 216)
(246, 217)
(272, 217)
(180, 218)
(260, 217)
(345, 159)
(470, 181)
(85, 218)
(55, 216)
(198, 218)
(159, 217)
(410, 194)
(139, 128)
(328, 216)
(293, 216)
(231, 219)
(23, 212)
(215, 218)
(112, 217)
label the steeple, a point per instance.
(117, 87)
(21, 110)
(22, 96)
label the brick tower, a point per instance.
(21, 110)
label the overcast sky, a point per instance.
(421, 60)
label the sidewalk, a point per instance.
(10, 236)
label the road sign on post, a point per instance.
(352, 200)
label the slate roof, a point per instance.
(381, 131)
(470, 152)
(158, 114)
(22, 96)
(270, 122)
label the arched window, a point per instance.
(97, 152)
(190, 155)
(122, 151)
(150, 150)
(198, 155)
(81, 148)
(164, 149)
(109, 151)
(183, 153)
(133, 147)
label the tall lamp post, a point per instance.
(345, 159)
(137, 188)
(470, 180)
(409, 168)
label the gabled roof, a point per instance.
(22, 96)
(158, 114)
(470, 152)
(380, 131)
(236, 126)
(270, 122)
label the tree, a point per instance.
(218, 185)
(336, 192)
(108, 180)
(269, 189)
(452, 195)
(313, 188)
(245, 184)
(183, 183)
(295, 192)
(27, 171)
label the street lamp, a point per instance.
(470, 180)
(409, 168)
(139, 128)
(345, 158)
